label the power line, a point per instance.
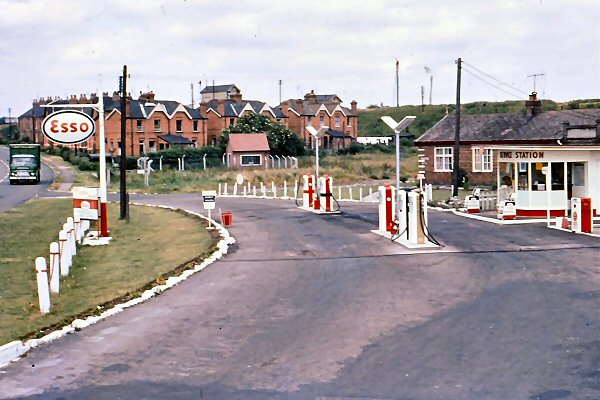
(496, 79)
(491, 84)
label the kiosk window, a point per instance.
(538, 179)
(557, 171)
(523, 177)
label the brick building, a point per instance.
(480, 134)
(151, 124)
(322, 110)
(223, 113)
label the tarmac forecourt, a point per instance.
(101, 276)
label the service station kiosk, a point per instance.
(549, 182)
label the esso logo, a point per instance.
(68, 126)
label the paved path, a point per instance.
(317, 307)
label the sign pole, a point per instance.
(209, 226)
(103, 208)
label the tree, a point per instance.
(281, 140)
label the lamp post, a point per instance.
(398, 127)
(317, 134)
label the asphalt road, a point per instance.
(317, 307)
(13, 195)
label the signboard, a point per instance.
(209, 198)
(85, 202)
(68, 127)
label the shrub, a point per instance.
(84, 164)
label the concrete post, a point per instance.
(42, 285)
(350, 192)
(65, 257)
(273, 189)
(339, 192)
(360, 196)
(54, 267)
(71, 224)
(254, 191)
(219, 191)
(77, 222)
(225, 189)
(244, 191)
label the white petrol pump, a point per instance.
(405, 222)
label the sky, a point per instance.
(344, 47)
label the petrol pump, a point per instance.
(325, 195)
(387, 209)
(308, 193)
(581, 215)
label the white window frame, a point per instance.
(482, 162)
(195, 124)
(337, 121)
(443, 159)
(321, 120)
(349, 122)
(140, 125)
(180, 127)
(242, 164)
(157, 125)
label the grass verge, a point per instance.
(156, 244)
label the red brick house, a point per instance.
(248, 150)
(223, 113)
(322, 110)
(151, 124)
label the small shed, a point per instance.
(248, 150)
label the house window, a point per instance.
(152, 145)
(248, 160)
(337, 121)
(231, 121)
(322, 120)
(196, 125)
(139, 125)
(214, 141)
(161, 146)
(157, 125)
(194, 143)
(349, 121)
(179, 125)
(141, 144)
(309, 120)
(482, 159)
(443, 159)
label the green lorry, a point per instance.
(24, 162)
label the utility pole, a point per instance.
(34, 139)
(534, 77)
(9, 125)
(123, 164)
(422, 98)
(192, 87)
(280, 91)
(456, 151)
(430, 88)
(397, 83)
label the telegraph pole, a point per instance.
(397, 83)
(456, 151)
(430, 88)
(33, 123)
(124, 200)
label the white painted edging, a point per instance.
(12, 351)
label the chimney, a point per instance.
(115, 97)
(202, 108)
(565, 128)
(284, 107)
(299, 106)
(221, 107)
(353, 107)
(533, 105)
(235, 97)
(311, 97)
(73, 99)
(83, 98)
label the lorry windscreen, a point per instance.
(24, 161)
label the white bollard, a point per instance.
(249, 188)
(370, 192)
(235, 189)
(42, 285)
(350, 192)
(254, 191)
(296, 188)
(72, 239)
(54, 267)
(78, 234)
(244, 191)
(339, 192)
(360, 196)
(219, 191)
(65, 257)
(225, 189)
(285, 196)
(273, 189)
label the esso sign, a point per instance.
(68, 126)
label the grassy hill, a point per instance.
(370, 123)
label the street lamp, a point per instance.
(317, 134)
(398, 127)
